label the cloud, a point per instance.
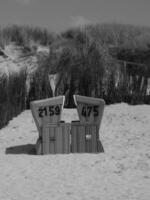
(79, 21)
(24, 2)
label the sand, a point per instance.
(122, 172)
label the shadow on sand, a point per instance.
(22, 149)
(30, 149)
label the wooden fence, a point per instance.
(131, 83)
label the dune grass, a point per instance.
(83, 59)
(12, 96)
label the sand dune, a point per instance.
(14, 58)
(121, 173)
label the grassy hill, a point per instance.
(122, 36)
(109, 61)
(25, 35)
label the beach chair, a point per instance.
(85, 133)
(53, 134)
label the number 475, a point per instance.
(87, 110)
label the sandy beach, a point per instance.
(122, 172)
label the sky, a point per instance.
(59, 15)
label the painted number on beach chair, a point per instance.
(87, 110)
(49, 111)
